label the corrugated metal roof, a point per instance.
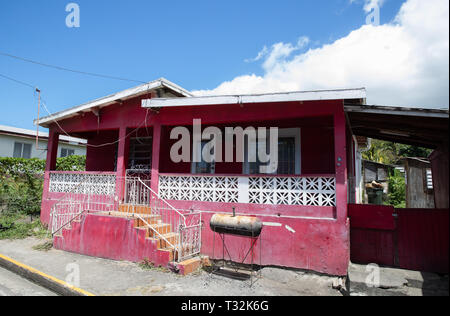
(341, 94)
(26, 132)
(113, 98)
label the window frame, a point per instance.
(22, 150)
(68, 151)
(294, 132)
(199, 148)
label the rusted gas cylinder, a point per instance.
(236, 225)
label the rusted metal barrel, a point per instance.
(236, 225)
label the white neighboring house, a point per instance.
(21, 143)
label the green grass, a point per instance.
(46, 246)
(147, 265)
(16, 226)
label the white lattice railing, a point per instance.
(74, 204)
(82, 183)
(307, 191)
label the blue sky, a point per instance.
(196, 44)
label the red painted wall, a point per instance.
(102, 158)
(110, 237)
(318, 245)
(372, 234)
(317, 150)
(318, 241)
(415, 239)
(317, 147)
(423, 239)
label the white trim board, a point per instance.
(344, 94)
(113, 98)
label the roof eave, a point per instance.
(111, 99)
(344, 94)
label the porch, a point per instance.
(131, 175)
(311, 172)
(303, 200)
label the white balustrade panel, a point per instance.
(307, 191)
(95, 184)
(205, 189)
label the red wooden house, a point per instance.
(133, 202)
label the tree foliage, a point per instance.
(21, 182)
(397, 190)
(390, 153)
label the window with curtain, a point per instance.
(65, 152)
(22, 150)
(288, 153)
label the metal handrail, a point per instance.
(59, 202)
(164, 201)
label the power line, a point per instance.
(100, 145)
(68, 69)
(62, 129)
(18, 81)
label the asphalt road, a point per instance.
(13, 285)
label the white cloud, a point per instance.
(260, 55)
(401, 63)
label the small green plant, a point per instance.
(146, 264)
(46, 246)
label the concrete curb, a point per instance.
(51, 283)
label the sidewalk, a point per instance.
(395, 282)
(107, 277)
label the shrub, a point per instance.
(22, 182)
(71, 163)
(397, 190)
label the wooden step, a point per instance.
(188, 266)
(135, 209)
(161, 228)
(173, 238)
(148, 219)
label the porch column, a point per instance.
(340, 154)
(122, 161)
(52, 150)
(155, 156)
(50, 164)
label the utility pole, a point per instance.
(37, 124)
